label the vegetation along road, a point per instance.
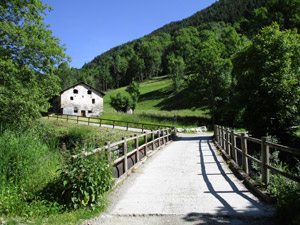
(185, 183)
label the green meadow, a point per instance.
(159, 104)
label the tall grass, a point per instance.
(26, 166)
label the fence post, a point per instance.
(233, 145)
(228, 142)
(158, 137)
(265, 159)
(56, 116)
(244, 152)
(100, 122)
(215, 132)
(137, 147)
(142, 127)
(113, 124)
(125, 154)
(152, 135)
(108, 151)
(89, 121)
(77, 119)
(127, 126)
(168, 133)
(145, 140)
(222, 134)
(67, 117)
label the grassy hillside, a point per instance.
(158, 104)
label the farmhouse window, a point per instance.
(71, 98)
(75, 91)
(75, 110)
(93, 101)
(89, 111)
(89, 92)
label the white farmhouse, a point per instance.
(79, 100)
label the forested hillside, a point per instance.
(215, 56)
(149, 56)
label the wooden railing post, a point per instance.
(137, 148)
(158, 138)
(100, 123)
(113, 124)
(67, 117)
(152, 136)
(222, 134)
(125, 154)
(77, 119)
(233, 145)
(127, 126)
(56, 116)
(215, 132)
(265, 159)
(142, 127)
(168, 133)
(145, 140)
(227, 142)
(89, 121)
(244, 152)
(108, 151)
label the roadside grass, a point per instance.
(158, 104)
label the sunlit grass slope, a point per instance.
(158, 104)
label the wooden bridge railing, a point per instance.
(227, 142)
(150, 141)
(100, 121)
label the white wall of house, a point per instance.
(83, 102)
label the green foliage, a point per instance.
(85, 179)
(120, 103)
(27, 165)
(134, 90)
(210, 85)
(176, 67)
(28, 57)
(287, 193)
(285, 12)
(267, 73)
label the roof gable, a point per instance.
(82, 83)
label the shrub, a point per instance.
(85, 179)
(287, 193)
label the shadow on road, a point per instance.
(225, 210)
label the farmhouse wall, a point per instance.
(81, 100)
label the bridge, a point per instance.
(187, 182)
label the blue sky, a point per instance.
(91, 27)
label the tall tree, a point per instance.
(268, 81)
(28, 57)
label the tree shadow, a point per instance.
(225, 213)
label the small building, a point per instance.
(79, 100)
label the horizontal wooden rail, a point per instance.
(226, 141)
(164, 136)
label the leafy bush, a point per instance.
(287, 193)
(121, 103)
(85, 179)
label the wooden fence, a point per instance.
(122, 164)
(227, 142)
(100, 122)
